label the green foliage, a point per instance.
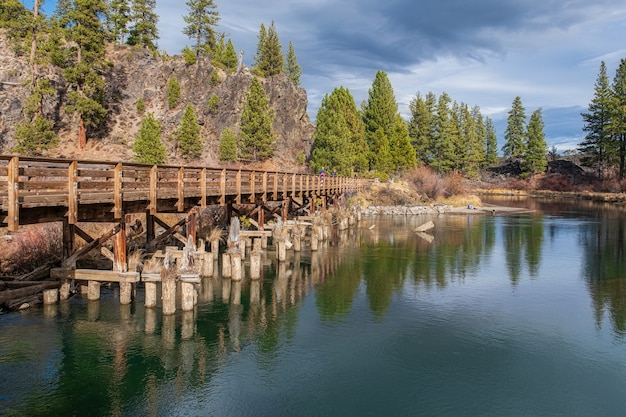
(189, 56)
(300, 158)
(292, 68)
(339, 138)
(491, 143)
(386, 132)
(421, 127)
(201, 22)
(228, 146)
(257, 138)
(34, 137)
(141, 106)
(188, 135)
(148, 147)
(229, 57)
(213, 104)
(536, 148)
(598, 146)
(215, 79)
(515, 133)
(618, 115)
(269, 56)
(118, 19)
(144, 31)
(173, 92)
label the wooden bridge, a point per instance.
(38, 190)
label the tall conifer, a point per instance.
(201, 22)
(536, 148)
(515, 133)
(257, 138)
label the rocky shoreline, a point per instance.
(440, 209)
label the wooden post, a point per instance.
(13, 173)
(203, 193)
(180, 205)
(93, 290)
(235, 261)
(255, 265)
(118, 197)
(149, 226)
(72, 198)
(168, 285)
(154, 182)
(120, 263)
(151, 294)
(226, 266)
(192, 225)
(188, 295)
(50, 296)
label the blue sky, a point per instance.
(480, 52)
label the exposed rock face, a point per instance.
(134, 74)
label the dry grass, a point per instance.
(30, 247)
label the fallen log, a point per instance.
(10, 295)
(42, 271)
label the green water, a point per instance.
(496, 316)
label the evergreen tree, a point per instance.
(479, 146)
(173, 92)
(148, 147)
(83, 28)
(257, 138)
(144, 30)
(474, 150)
(17, 21)
(536, 148)
(229, 56)
(379, 117)
(228, 146)
(34, 137)
(598, 146)
(402, 152)
(515, 131)
(119, 17)
(619, 114)
(491, 143)
(421, 125)
(188, 135)
(338, 140)
(443, 140)
(292, 68)
(269, 57)
(201, 22)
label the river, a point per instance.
(506, 315)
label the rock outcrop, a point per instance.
(135, 74)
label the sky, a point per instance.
(480, 52)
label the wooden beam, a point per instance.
(13, 178)
(72, 199)
(118, 197)
(97, 242)
(83, 235)
(120, 263)
(154, 179)
(169, 232)
(180, 205)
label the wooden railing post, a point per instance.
(72, 189)
(180, 205)
(154, 180)
(275, 186)
(223, 188)
(13, 175)
(264, 194)
(203, 188)
(252, 184)
(118, 198)
(238, 187)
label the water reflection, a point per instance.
(100, 358)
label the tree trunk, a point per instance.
(82, 134)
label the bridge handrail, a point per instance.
(51, 182)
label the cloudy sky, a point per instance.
(480, 52)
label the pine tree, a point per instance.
(34, 137)
(443, 140)
(229, 56)
(85, 97)
(201, 22)
(402, 152)
(421, 125)
(536, 148)
(619, 114)
(474, 150)
(338, 140)
(119, 16)
(173, 92)
(269, 57)
(188, 135)
(144, 29)
(228, 146)
(379, 117)
(515, 131)
(598, 146)
(148, 147)
(491, 143)
(292, 68)
(17, 21)
(257, 138)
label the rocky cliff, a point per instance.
(135, 74)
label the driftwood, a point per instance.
(426, 226)
(9, 296)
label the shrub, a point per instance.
(214, 102)
(173, 92)
(189, 55)
(427, 182)
(141, 106)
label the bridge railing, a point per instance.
(44, 182)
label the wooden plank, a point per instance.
(94, 275)
(97, 242)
